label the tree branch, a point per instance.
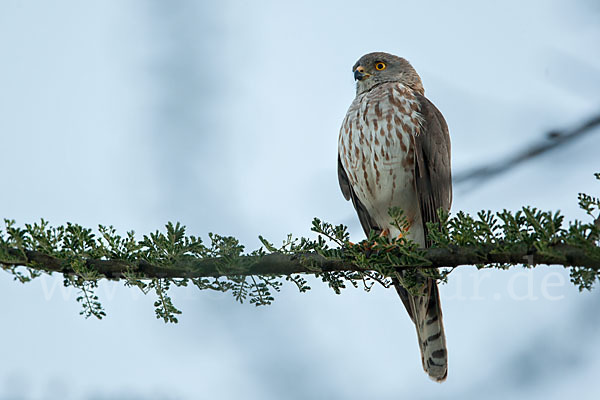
(526, 237)
(307, 263)
(550, 142)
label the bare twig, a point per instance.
(551, 142)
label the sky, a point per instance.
(225, 116)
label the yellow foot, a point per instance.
(383, 233)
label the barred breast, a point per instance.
(376, 147)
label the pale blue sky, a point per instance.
(225, 117)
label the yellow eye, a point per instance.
(379, 66)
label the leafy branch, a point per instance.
(161, 259)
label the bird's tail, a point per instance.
(426, 312)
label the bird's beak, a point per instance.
(360, 74)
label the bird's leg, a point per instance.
(405, 229)
(382, 234)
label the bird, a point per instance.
(394, 151)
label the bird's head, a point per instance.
(375, 68)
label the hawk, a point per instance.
(394, 151)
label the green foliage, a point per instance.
(376, 260)
(164, 307)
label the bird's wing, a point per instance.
(343, 180)
(366, 221)
(432, 170)
(434, 190)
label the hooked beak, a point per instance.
(360, 74)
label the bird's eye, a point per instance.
(379, 66)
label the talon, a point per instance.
(404, 232)
(383, 233)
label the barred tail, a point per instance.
(426, 312)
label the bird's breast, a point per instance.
(377, 151)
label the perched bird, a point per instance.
(394, 151)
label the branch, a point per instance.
(550, 142)
(307, 263)
(528, 236)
